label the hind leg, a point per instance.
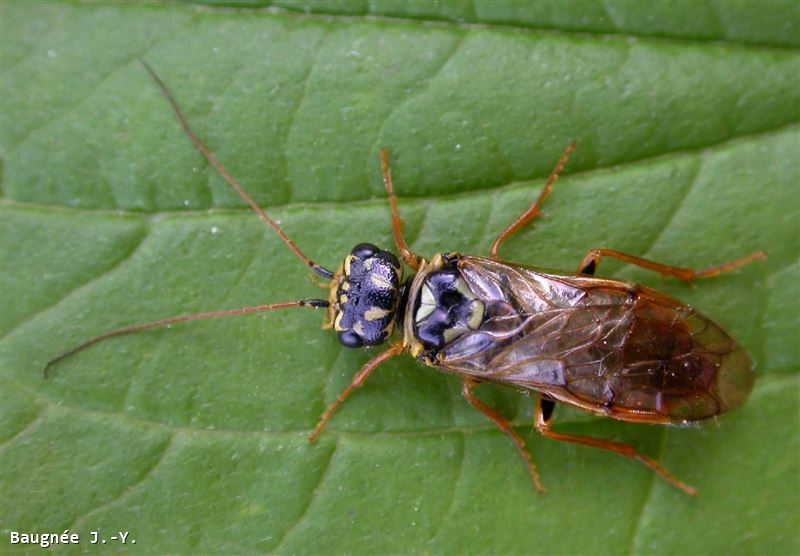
(592, 260)
(544, 410)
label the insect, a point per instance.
(609, 347)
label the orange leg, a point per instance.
(535, 208)
(503, 424)
(357, 382)
(544, 410)
(409, 257)
(592, 259)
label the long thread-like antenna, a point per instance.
(203, 150)
(313, 303)
(208, 155)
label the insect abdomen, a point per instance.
(658, 361)
(671, 363)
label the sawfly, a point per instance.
(609, 347)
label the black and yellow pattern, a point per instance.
(365, 294)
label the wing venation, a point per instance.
(606, 346)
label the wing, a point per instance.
(609, 347)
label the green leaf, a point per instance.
(194, 438)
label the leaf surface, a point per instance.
(193, 438)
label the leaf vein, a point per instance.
(101, 79)
(129, 386)
(454, 491)
(298, 108)
(213, 105)
(86, 284)
(647, 498)
(372, 16)
(29, 426)
(679, 206)
(124, 493)
(322, 405)
(426, 87)
(314, 496)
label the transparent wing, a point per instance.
(609, 347)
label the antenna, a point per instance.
(208, 155)
(132, 329)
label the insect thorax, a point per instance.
(442, 307)
(364, 296)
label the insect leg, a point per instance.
(409, 257)
(543, 410)
(357, 382)
(592, 259)
(503, 424)
(534, 209)
(132, 329)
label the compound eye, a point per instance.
(387, 256)
(350, 339)
(364, 251)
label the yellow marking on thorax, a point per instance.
(412, 345)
